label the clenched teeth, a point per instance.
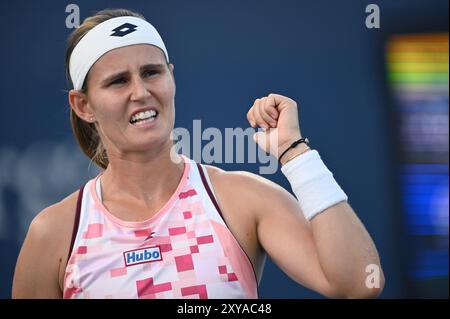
(142, 116)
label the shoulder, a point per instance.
(241, 177)
(51, 229)
(51, 220)
(45, 251)
(247, 187)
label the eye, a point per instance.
(118, 81)
(149, 73)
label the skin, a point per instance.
(328, 254)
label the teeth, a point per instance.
(144, 121)
(143, 115)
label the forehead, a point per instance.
(129, 56)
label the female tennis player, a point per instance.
(155, 224)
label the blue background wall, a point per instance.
(226, 54)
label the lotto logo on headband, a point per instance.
(123, 30)
(141, 256)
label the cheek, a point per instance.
(107, 106)
(169, 88)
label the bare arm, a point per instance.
(329, 254)
(347, 252)
(37, 268)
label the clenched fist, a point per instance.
(277, 115)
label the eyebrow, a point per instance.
(114, 76)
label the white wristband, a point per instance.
(312, 183)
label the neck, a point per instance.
(143, 178)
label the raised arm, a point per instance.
(330, 250)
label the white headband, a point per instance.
(108, 35)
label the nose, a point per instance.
(139, 90)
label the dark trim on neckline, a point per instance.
(76, 222)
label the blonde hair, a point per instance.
(86, 133)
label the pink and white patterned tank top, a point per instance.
(184, 251)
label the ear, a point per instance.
(171, 67)
(79, 103)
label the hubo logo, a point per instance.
(141, 256)
(123, 30)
